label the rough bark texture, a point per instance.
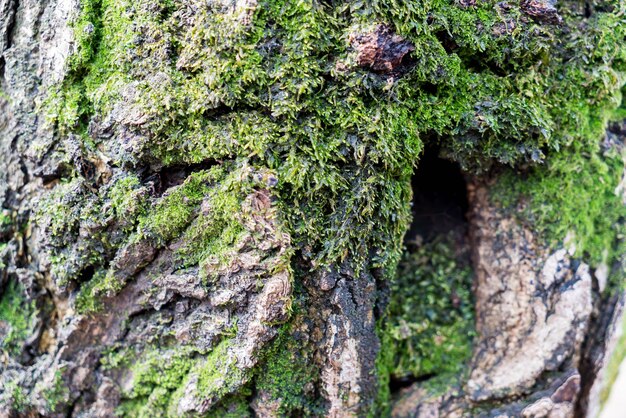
(207, 207)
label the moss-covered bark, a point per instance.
(205, 205)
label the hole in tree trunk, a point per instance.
(430, 313)
(439, 199)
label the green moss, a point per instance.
(235, 407)
(156, 375)
(116, 358)
(159, 377)
(90, 293)
(17, 316)
(17, 398)
(62, 214)
(128, 201)
(613, 366)
(430, 312)
(496, 94)
(2, 247)
(429, 322)
(285, 376)
(176, 210)
(219, 375)
(5, 219)
(56, 394)
(575, 192)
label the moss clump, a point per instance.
(74, 225)
(54, 394)
(233, 407)
(156, 375)
(278, 84)
(160, 376)
(208, 231)
(429, 322)
(431, 318)
(88, 299)
(219, 374)
(16, 318)
(286, 378)
(128, 200)
(573, 193)
(14, 395)
(204, 212)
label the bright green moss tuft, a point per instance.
(287, 379)
(160, 368)
(17, 396)
(128, 201)
(574, 193)
(157, 374)
(233, 407)
(219, 374)
(16, 318)
(429, 322)
(278, 84)
(88, 299)
(430, 313)
(160, 376)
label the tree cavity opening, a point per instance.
(440, 201)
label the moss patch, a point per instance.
(575, 192)
(16, 318)
(429, 325)
(160, 377)
(278, 84)
(431, 311)
(286, 378)
(156, 375)
(614, 364)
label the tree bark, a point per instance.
(315, 208)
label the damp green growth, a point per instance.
(287, 376)
(161, 376)
(16, 396)
(613, 366)
(578, 195)
(73, 220)
(430, 311)
(233, 407)
(429, 321)
(17, 317)
(156, 375)
(87, 299)
(5, 219)
(219, 375)
(128, 201)
(2, 247)
(278, 86)
(6, 230)
(205, 213)
(115, 358)
(56, 393)
(279, 83)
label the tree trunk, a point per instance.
(311, 208)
